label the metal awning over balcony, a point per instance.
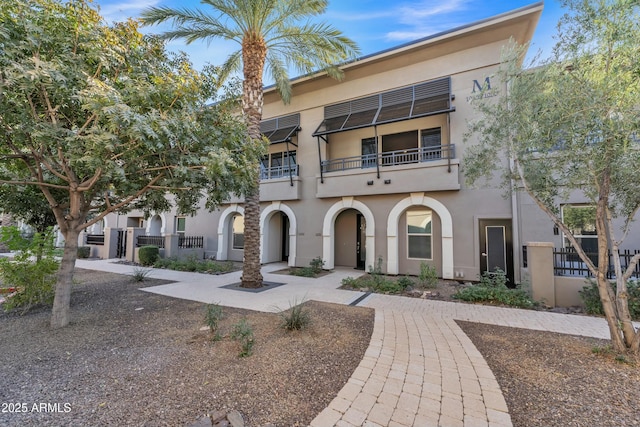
(281, 129)
(424, 99)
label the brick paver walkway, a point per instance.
(422, 370)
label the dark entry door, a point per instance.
(361, 250)
(285, 237)
(496, 247)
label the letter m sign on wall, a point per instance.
(486, 85)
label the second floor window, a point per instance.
(181, 225)
(276, 165)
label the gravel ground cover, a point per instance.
(132, 358)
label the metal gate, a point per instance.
(121, 245)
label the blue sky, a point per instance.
(374, 24)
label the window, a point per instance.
(400, 148)
(581, 220)
(431, 142)
(181, 224)
(237, 226)
(419, 234)
(277, 165)
(369, 151)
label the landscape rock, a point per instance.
(235, 418)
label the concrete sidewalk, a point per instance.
(420, 368)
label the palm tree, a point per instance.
(273, 35)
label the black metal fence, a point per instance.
(95, 239)
(567, 262)
(190, 242)
(150, 240)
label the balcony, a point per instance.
(401, 171)
(278, 172)
(276, 185)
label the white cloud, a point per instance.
(426, 17)
(122, 10)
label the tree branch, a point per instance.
(556, 220)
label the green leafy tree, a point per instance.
(273, 35)
(572, 126)
(100, 118)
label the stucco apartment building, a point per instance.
(370, 168)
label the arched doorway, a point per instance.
(278, 227)
(337, 242)
(231, 234)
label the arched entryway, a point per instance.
(231, 234)
(348, 235)
(155, 226)
(278, 234)
(446, 231)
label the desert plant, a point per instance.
(314, 268)
(428, 275)
(405, 282)
(148, 255)
(212, 317)
(349, 282)
(243, 333)
(496, 278)
(84, 251)
(296, 318)
(139, 274)
(316, 265)
(493, 289)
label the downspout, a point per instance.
(289, 161)
(449, 137)
(375, 132)
(320, 161)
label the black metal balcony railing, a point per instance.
(150, 240)
(95, 239)
(278, 172)
(188, 242)
(390, 158)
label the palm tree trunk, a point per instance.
(253, 54)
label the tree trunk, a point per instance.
(60, 315)
(604, 288)
(253, 54)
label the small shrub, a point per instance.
(405, 282)
(32, 271)
(428, 276)
(243, 333)
(316, 265)
(213, 316)
(593, 305)
(496, 295)
(296, 318)
(148, 255)
(497, 278)
(139, 274)
(314, 268)
(84, 252)
(303, 272)
(349, 282)
(383, 285)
